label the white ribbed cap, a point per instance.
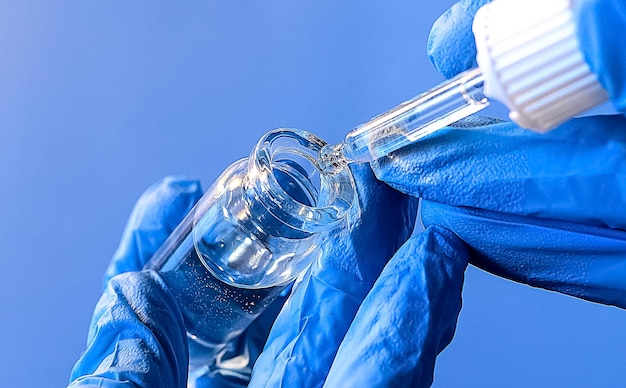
(530, 56)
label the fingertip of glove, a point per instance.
(451, 46)
(449, 242)
(400, 170)
(381, 166)
(441, 247)
(165, 203)
(363, 176)
(155, 215)
(174, 185)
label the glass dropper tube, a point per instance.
(410, 121)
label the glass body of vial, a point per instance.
(251, 234)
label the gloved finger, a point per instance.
(451, 46)
(137, 337)
(407, 318)
(601, 25)
(315, 318)
(579, 260)
(155, 215)
(572, 173)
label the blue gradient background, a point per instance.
(100, 99)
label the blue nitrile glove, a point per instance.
(137, 336)
(346, 323)
(546, 210)
(601, 29)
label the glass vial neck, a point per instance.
(265, 218)
(286, 178)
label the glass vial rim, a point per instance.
(337, 191)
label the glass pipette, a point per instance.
(410, 121)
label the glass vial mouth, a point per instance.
(262, 222)
(286, 176)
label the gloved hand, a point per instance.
(408, 313)
(546, 210)
(347, 323)
(137, 335)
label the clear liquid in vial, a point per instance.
(215, 313)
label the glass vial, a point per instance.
(251, 234)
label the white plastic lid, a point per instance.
(532, 62)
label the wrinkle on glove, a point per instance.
(601, 27)
(137, 337)
(575, 173)
(309, 329)
(584, 261)
(407, 318)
